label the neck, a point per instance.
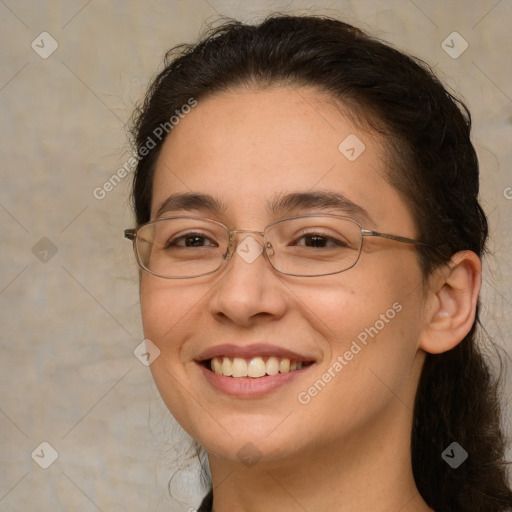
(368, 470)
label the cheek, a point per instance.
(372, 342)
(366, 303)
(165, 306)
(156, 310)
(164, 310)
(372, 323)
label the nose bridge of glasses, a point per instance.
(234, 232)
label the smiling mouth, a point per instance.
(255, 367)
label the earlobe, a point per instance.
(452, 301)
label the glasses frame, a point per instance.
(131, 234)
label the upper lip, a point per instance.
(249, 351)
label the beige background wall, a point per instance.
(70, 320)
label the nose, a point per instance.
(248, 288)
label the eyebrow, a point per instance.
(281, 204)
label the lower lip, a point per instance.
(249, 387)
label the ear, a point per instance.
(451, 303)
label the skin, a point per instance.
(348, 448)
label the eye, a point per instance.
(319, 240)
(190, 240)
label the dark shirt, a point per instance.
(207, 503)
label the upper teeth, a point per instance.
(255, 367)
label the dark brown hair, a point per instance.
(426, 131)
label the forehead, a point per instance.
(246, 147)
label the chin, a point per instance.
(249, 449)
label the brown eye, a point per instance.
(190, 240)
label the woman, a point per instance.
(310, 236)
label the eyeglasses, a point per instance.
(304, 246)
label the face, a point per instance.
(356, 332)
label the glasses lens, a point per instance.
(181, 247)
(314, 245)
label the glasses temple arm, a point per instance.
(130, 234)
(367, 232)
